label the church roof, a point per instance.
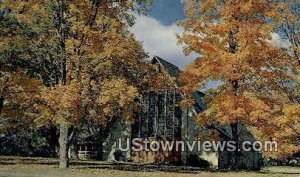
(174, 72)
(169, 67)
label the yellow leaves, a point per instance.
(4, 44)
(14, 6)
(239, 112)
(62, 101)
(120, 46)
(224, 109)
(19, 92)
(247, 108)
(159, 81)
(268, 74)
(278, 11)
(63, 97)
(190, 7)
(210, 37)
(291, 110)
(296, 49)
(247, 7)
(26, 11)
(44, 117)
(186, 102)
(129, 4)
(71, 44)
(240, 24)
(73, 9)
(19, 82)
(207, 5)
(232, 41)
(116, 94)
(99, 49)
(1, 84)
(256, 102)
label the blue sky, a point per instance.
(167, 11)
(157, 31)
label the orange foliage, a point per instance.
(232, 41)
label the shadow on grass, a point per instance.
(7, 160)
(144, 168)
(134, 167)
(98, 165)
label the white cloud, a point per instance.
(278, 41)
(160, 40)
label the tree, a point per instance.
(98, 68)
(289, 30)
(232, 40)
(289, 27)
(25, 65)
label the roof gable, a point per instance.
(174, 71)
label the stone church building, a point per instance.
(161, 119)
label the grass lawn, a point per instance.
(41, 167)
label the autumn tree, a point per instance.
(232, 40)
(17, 90)
(98, 68)
(289, 31)
(19, 135)
(26, 63)
(290, 27)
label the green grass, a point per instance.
(46, 167)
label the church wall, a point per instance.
(190, 132)
(120, 130)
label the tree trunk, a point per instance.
(63, 145)
(1, 103)
(234, 159)
(52, 139)
(73, 145)
(73, 151)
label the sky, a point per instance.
(167, 11)
(157, 31)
